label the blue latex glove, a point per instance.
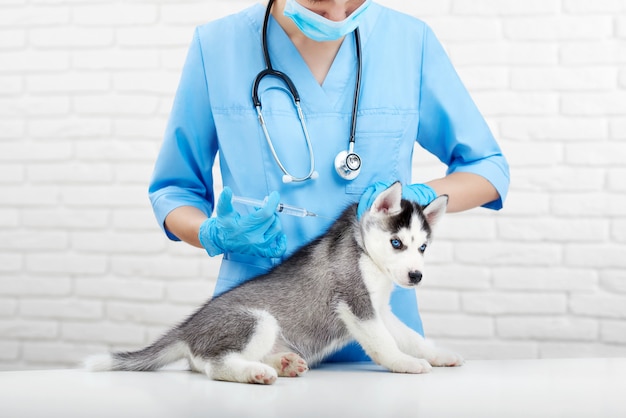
(420, 193)
(258, 233)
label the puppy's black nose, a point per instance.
(415, 277)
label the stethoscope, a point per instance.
(347, 163)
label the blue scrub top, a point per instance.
(410, 93)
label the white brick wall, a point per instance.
(85, 90)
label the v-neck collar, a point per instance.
(286, 58)
(337, 90)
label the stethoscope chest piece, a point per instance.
(348, 165)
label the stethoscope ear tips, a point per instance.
(348, 165)
(290, 179)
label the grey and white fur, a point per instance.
(331, 291)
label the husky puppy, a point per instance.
(331, 291)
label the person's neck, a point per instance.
(318, 56)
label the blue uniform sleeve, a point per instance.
(183, 171)
(451, 126)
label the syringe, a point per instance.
(281, 208)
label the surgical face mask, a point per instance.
(319, 28)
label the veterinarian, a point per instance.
(369, 82)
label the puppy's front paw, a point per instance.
(445, 358)
(410, 365)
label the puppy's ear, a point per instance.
(389, 201)
(436, 209)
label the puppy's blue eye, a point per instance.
(396, 243)
(422, 248)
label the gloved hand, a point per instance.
(419, 193)
(258, 233)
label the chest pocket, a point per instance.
(385, 143)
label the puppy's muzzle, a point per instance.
(415, 277)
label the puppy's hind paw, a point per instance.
(446, 358)
(262, 375)
(287, 364)
(292, 365)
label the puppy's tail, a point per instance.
(164, 351)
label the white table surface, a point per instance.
(514, 388)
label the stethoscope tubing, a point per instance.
(357, 88)
(288, 178)
(269, 71)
